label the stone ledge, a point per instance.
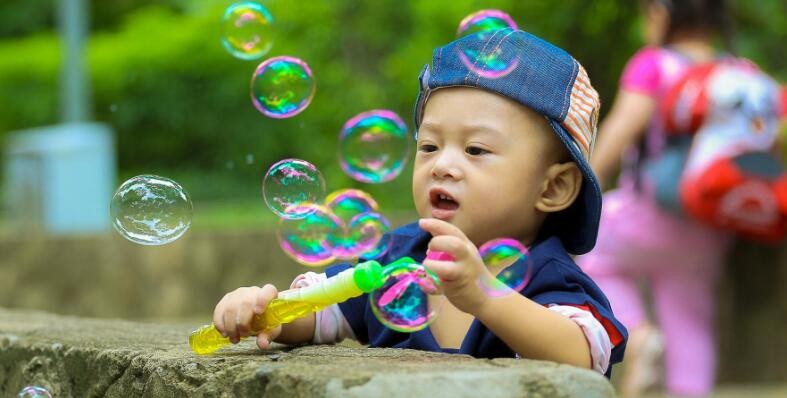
(73, 356)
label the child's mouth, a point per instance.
(444, 205)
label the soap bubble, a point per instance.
(290, 183)
(489, 63)
(34, 392)
(512, 260)
(348, 203)
(308, 240)
(402, 302)
(247, 30)
(373, 146)
(369, 231)
(364, 236)
(360, 235)
(282, 87)
(151, 210)
(485, 21)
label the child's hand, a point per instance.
(459, 278)
(232, 315)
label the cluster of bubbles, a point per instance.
(34, 392)
(510, 260)
(281, 87)
(489, 62)
(315, 230)
(346, 227)
(403, 303)
(151, 210)
(373, 146)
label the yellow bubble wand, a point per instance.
(292, 304)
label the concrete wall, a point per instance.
(107, 276)
(81, 357)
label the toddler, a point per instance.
(505, 126)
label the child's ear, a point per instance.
(560, 188)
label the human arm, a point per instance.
(233, 317)
(634, 106)
(621, 128)
(528, 328)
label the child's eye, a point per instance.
(427, 148)
(475, 151)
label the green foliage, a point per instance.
(180, 104)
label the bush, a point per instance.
(180, 104)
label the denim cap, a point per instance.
(527, 69)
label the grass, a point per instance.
(233, 214)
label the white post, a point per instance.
(74, 87)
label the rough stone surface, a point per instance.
(107, 276)
(73, 356)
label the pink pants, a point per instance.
(681, 261)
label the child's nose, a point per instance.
(447, 166)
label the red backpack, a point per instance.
(728, 112)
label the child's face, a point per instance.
(489, 156)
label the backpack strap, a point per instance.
(638, 166)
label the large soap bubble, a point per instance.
(282, 87)
(309, 240)
(373, 146)
(510, 261)
(402, 303)
(291, 183)
(247, 30)
(151, 210)
(485, 21)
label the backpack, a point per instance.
(721, 119)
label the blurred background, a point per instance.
(169, 100)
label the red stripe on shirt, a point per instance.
(615, 336)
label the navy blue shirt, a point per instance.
(555, 279)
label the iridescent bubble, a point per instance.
(511, 261)
(34, 392)
(308, 240)
(484, 21)
(348, 203)
(370, 232)
(282, 87)
(373, 146)
(360, 235)
(402, 302)
(151, 210)
(290, 183)
(247, 30)
(489, 63)
(364, 236)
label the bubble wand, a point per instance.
(297, 303)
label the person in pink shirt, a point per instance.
(639, 240)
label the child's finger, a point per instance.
(243, 317)
(218, 318)
(452, 245)
(230, 324)
(265, 338)
(446, 271)
(439, 227)
(263, 297)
